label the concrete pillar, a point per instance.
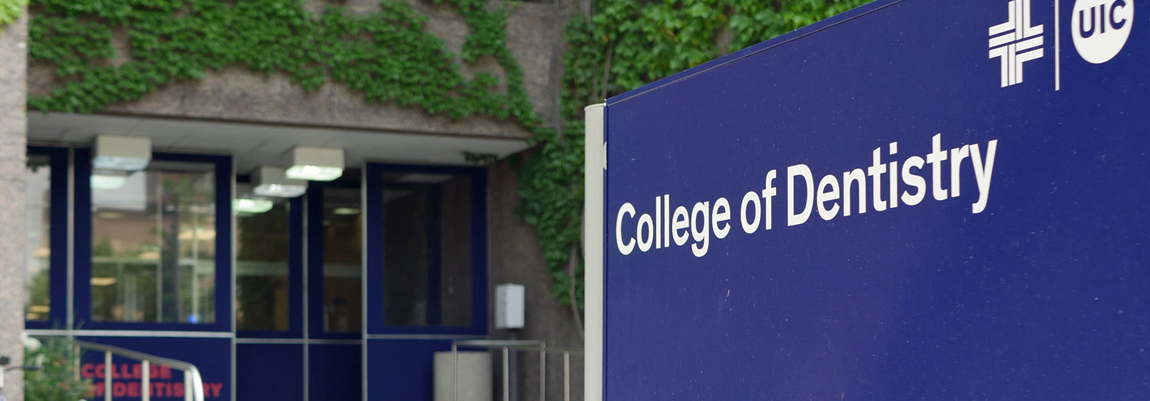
(13, 153)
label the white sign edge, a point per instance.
(594, 170)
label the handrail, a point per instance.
(193, 382)
(506, 346)
(530, 345)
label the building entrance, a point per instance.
(341, 293)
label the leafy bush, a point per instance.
(59, 377)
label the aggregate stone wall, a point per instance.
(13, 139)
(515, 257)
(234, 93)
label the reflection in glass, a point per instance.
(342, 247)
(427, 250)
(37, 221)
(262, 269)
(153, 246)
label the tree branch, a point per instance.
(606, 74)
(572, 263)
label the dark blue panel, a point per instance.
(373, 218)
(402, 370)
(1044, 294)
(212, 356)
(225, 305)
(335, 372)
(58, 238)
(82, 237)
(314, 205)
(479, 251)
(269, 372)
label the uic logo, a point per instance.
(1100, 28)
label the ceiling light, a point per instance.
(108, 179)
(244, 205)
(121, 153)
(346, 211)
(204, 234)
(425, 178)
(271, 181)
(315, 164)
(110, 215)
(103, 281)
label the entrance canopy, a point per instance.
(266, 144)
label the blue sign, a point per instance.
(916, 200)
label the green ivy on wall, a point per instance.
(172, 40)
(11, 10)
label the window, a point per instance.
(262, 271)
(427, 249)
(153, 245)
(38, 249)
(342, 260)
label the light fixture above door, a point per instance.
(116, 157)
(271, 181)
(315, 164)
(121, 153)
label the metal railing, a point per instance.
(507, 346)
(193, 382)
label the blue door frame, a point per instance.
(209, 346)
(58, 239)
(395, 360)
(270, 364)
(334, 360)
(376, 323)
(223, 257)
(398, 359)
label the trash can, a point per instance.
(474, 377)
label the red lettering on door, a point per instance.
(119, 389)
(212, 389)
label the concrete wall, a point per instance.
(13, 137)
(535, 35)
(516, 258)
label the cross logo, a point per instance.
(1015, 41)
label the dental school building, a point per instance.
(293, 241)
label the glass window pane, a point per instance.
(153, 245)
(37, 220)
(427, 250)
(342, 254)
(262, 268)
